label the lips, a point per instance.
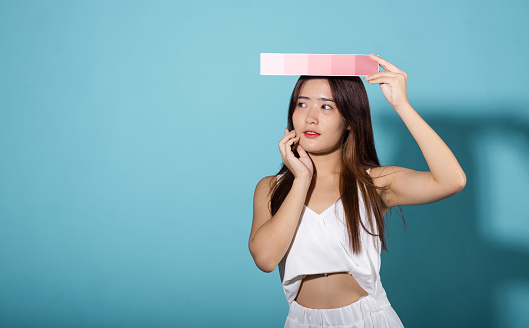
(311, 135)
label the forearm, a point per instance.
(443, 165)
(275, 236)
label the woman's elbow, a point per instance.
(262, 262)
(457, 187)
(266, 268)
(463, 182)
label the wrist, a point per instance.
(404, 106)
(303, 181)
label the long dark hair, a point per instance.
(358, 154)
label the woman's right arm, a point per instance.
(271, 236)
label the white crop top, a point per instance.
(321, 245)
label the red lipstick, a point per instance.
(311, 135)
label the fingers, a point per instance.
(389, 79)
(385, 64)
(381, 74)
(283, 142)
(385, 77)
(287, 136)
(301, 151)
(288, 146)
(289, 143)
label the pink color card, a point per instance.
(317, 64)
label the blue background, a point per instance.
(133, 133)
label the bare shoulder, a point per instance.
(266, 182)
(262, 191)
(261, 200)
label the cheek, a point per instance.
(296, 120)
(338, 122)
(295, 114)
(336, 125)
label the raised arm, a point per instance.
(407, 187)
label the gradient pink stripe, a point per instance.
(317, 64)
(272, 64)
(296, 64)
(320, 64)
(364, 65)
(343, 65)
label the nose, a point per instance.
(312, 114)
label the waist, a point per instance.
(376, 291)
(327, 291)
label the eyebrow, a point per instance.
(322, 99)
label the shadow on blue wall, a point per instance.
(442, 271)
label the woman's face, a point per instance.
(316, 110)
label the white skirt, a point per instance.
(363, 313)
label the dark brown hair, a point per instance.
(358, 154)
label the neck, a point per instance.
(327, 164)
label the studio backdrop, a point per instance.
(133, 134)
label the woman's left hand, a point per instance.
(392, 82)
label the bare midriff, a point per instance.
(334, 290)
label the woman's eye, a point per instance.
(304, 105)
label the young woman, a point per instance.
(319, 218)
